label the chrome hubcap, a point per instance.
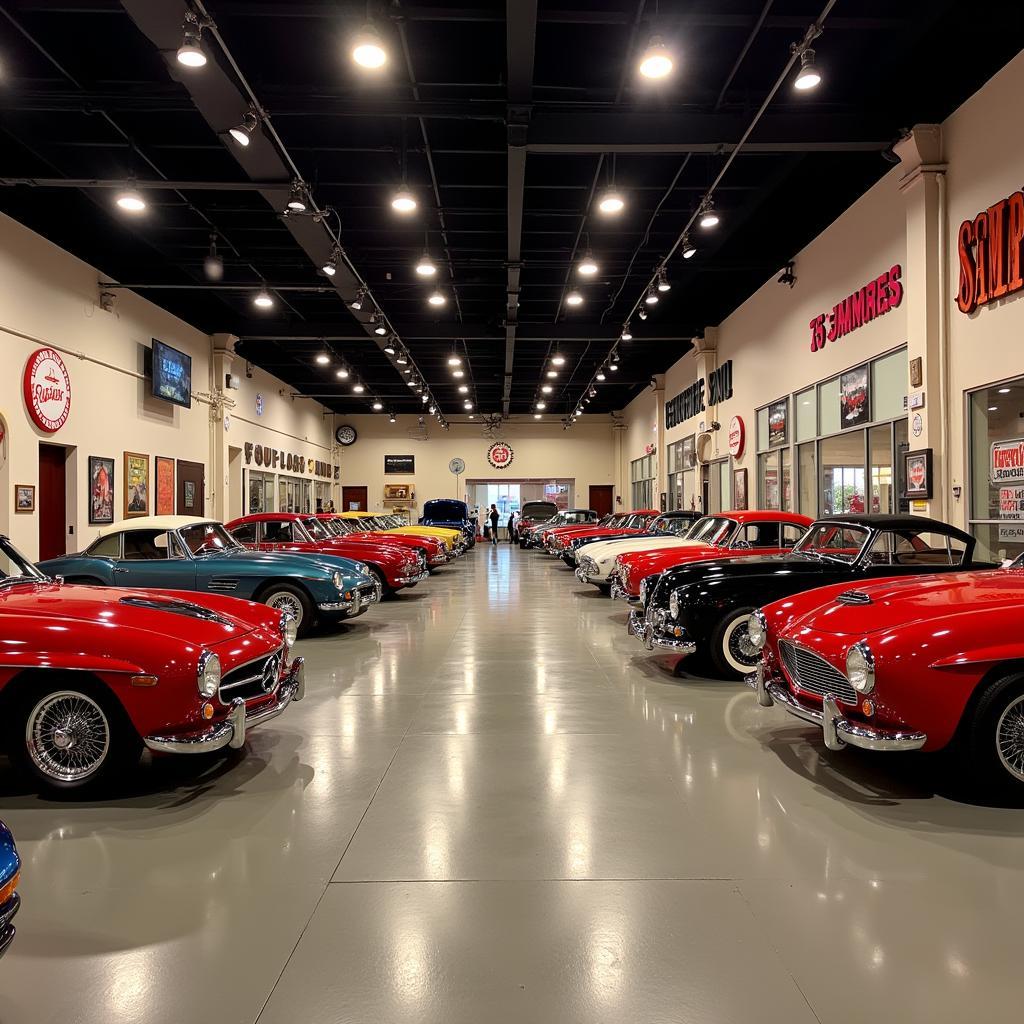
(287, 603)
(68, 736)
(1010, 738)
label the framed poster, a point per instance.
(918, 474)
(136, 485)
(778, 414)
(400, 464)
(739, 488)
(101, 490)
(24, 497)
(854, 400)
(164, 486)
(397, 492)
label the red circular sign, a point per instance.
(500, 455)
(47, 390)
(737, 437)
(917, 474)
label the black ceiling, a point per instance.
(501, 114)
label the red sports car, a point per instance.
(392, 565)
(904, 664)
(724, 535)
(432, 548)
(622, 525)
(89, 675)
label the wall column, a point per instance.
(222, 351)
(925, 279)
(706, 349)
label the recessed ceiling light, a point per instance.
(263, 299)
(368, 49)
(547, 389)
(588, 267)
(611, 202)
(437, 299)
(358, 388)
(426, 267)
(656, 61)
(323, 358)
(808, 77)
(130, 200)
(242, 133)
(574, 299)
(403, 201)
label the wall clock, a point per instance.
(345, 435)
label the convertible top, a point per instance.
(154, 523)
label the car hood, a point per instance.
(749, 566)
(622, 545)
(170, 614)
(895, 603)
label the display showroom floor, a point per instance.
(493, 806)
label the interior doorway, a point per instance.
(353, 499)
(601, 498)
(191, 485)
(53, 501)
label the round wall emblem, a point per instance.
(737, 437)
(457, 466)
(47, 390)
(500, 455)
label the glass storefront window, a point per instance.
(889, 383)
(720, 489)
(768, 474)
(880, 456)
(829, 414)
(261, 492)
(641, 474)
(806, 416)
(842, 473)
(807, 463)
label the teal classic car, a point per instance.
(185, 553)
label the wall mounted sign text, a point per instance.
(1006, 463)
(288, 462)
(500, 455)
(400, 464)
(47, 390)
(693, 400)
(737, 439)
(989, 248)
(872, 300)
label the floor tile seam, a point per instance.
(768, 940)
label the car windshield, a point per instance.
(205, 538)
(712, 530)
(316, 529)
(335, 527)
(676, 525)
(441, 509)
(843, 543)
(15, 567)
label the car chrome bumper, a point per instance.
(619, 593)
(409, 581)
(232, 731)
(335, 606)
(638, 626)
(7, 913)
(837, 731)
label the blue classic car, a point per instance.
(10, 873)
(184, 553)
(450, 513)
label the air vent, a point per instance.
(223, 584)
(176, 607)
(854, 597)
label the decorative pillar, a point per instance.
(706, 349)
(922, 185)
(222, 357)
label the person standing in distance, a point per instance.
(494, 525)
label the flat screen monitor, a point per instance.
(172, 375)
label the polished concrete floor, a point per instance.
(493, 806)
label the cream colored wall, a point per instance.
(542, 450)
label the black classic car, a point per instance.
(702, 609)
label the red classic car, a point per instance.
(904, 664)
(88, 675)
(724, 535)
(392, 565)
(622, 525)
(432, 548)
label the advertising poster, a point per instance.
(854, 406)
(777, 426)
(164, 486)
(136, 485)
(101, 490)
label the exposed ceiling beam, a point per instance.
(471, 332)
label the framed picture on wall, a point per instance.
(778, 425)
(136, 485)
(918, 474)
(24, 497)
(854, 399)
(164, 486)
(101, 490)
(739, 488)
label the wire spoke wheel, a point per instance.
(68, 736)
(285, 601)
(739, 650)
(1010, 738)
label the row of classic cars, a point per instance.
(883, 631)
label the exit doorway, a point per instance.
(53, 500)
(353, 499)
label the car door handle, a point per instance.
(119, 569)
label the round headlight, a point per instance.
(757, 630)
(338, 580)
(860, 667)
(208, 675)
(673, 604)
(289, 630)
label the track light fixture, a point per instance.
(656, 61)
(391, 418)
(263, 299)
(467, 405)
(341, 373)
(627, 334)
(689, 250)
(808, 77)
(600, 375)
(368, 48)
(588, 266)
(358, 388)
(458, 374)
(243, 133)
(402, 358)
(410, 383)
(330, 268)
(611, 203)
(708, 216)
(403, 201)
(542, 405)
(297, 198)
(547, 389)
(463, 389)
(642, 313)
(390, 347)
(213, 265)
(558, 359)
(437, 299)
(663, 282)
(613, 363)
(379, 327)
(432, 410)
(323, 359)
(651, 298)
(592, 393)
(552, 374)
(426, 266)
(537, 416)
(357, 302)
(190, 53)
(130, 199)
(454, 360)
(377, 406)
(424, 399)
(574, 299)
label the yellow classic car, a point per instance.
(454, 540)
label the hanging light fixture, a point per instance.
(213, 265)
(467, 405)
(709, 217)
(574, 299)
(130, 199)
(389, 346)
(323, 358)
(411, 383)
(368, 48)
(592, 393)
(190, 53)
(403, 201)
(424, 399)
(380, 329)
(642, 313)
(547, 389)
(243, 133)
(437, 299)
(426, 266)
(651, 298)
(402, 358)
(391, 418)
(454, 360)
(611, 202)
(357, 302)
(808, 77)
(627, 334)
(458, 374)
(537, 416)
(656, 61)
(552, 374)
(588, 266)
(358, 388)
(377, 406)
(263, 299)
(613, 362)
(558, 359)
(330, 268)
(463, 389)
(296, 199)
(542, 405)
(601, 375)
(432, 410)
(407, 371)
(689, 249)
(341, 373)
(663, 282)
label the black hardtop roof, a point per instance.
(895, 521)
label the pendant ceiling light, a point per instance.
(403, 201)
(130, 199)
(368, 49)
(263, 299)
(296, 198)
(627, 334)
(574, 299)
(243, 133)
(611, 202)
(190, 53)
(656, 61)
(426, 266)
(213, 265)
(808, 76)
(709, 217)
(588, 267)
(651, 298)
(437, 299)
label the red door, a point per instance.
(601, 499)
(353, 499)
(52, 501)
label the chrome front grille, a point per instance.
(254, 679)
(813, 674)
